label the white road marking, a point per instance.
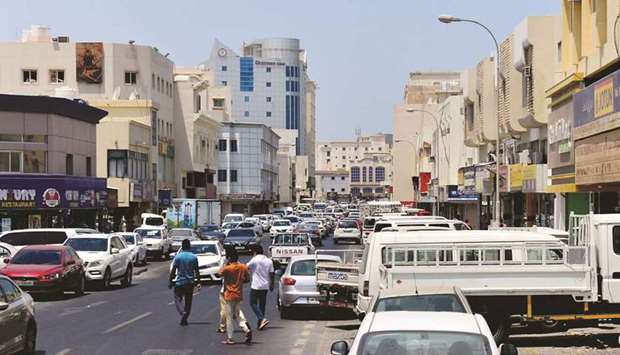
(167, 352)
(126, 323)
(63, 351)
(95, 304)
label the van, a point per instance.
(151, 219)
(20, 238)
(234, 217)
(417, 221)
(369, 221)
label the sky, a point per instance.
(359, 51)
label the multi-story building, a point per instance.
(47, 163)
(196, 135)
(132, 82)
(247, 175)
(333, 185)
(368, 160)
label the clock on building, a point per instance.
(221, 52)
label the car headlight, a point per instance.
(94, 263)
(51, 277)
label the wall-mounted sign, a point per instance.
(89, 62)
(516, 177)
(596, 107)
(597, 159)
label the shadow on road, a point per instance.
(597, 341)
(323, 314)
(55, 297)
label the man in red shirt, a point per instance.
(235, 275)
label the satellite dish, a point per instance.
(134, 95)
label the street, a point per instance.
(142, 320)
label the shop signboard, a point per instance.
(529, 178)
(164, 198)
(516, 177)
(51, 192)
(597, 159)
(425, 179)
(560, 136)
(469, 180)
(482, 175)
(596, 107)
(136, 192)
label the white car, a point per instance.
(177, 235)
(226, 227)
(6, 251)
(281, 226)
(317, 222)
(252, 224)
(156, 239)
(401, 332)
(265, 220)
(106, 258)
(349, 231)
(136, 245)
(233, 217)
(211, 255)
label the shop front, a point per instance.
(538, 204)
(49, 201)
(461, 201)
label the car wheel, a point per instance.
(128, 278)
(30, 341)
(79, 289)
(107, 279)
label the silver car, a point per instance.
(177, 235)
(297, 286)
(17, 324)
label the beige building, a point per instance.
(333, 185)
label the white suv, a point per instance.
(106, 258)
(156, 240)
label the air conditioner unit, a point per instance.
(63, 39)
(527, 71)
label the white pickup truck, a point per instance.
(287, 245)
(337, 283)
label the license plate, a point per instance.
(24, 282)
(313, 300)
(239, 248)
(338, 304)
(338, 276)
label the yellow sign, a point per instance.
(604, 98)
(529, 172)
(516, 176)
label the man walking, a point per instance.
(242, 321)
(183, 276)
(235, 275)
(262, 271)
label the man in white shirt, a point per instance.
(262, 271)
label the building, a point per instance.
(196, 135)
(47, 164)
(333, 185)
(247, 175)
(368, 160)
(132, 82)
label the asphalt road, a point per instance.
(142, 319)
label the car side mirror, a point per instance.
(361, 315)
(508, 349)
(6, 260)
(3, 306)
(70, 262)
(114, 251)
(340, 348)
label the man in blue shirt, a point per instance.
(183, 276)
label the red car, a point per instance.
(46, 269)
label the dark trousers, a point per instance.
(185, 293)
(258, 301)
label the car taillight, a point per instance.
(365, 290)
(288, 281)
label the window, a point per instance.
(11, 162)
(29, 76)
(268, 84)
(364, 174)
(616, 239)
(246, 114)
(246, 99)
(288, 86)
(344, 165)
(35, 161)
(11, 293)
(379, 174)
(218, 103)
(233, 145)
(224, 68)
(131, 77)
(268, 113)
(342, 189)
(355, 191)
(153, 81)
(69, 164)
(268, 98)
(370, 169)
(333, 190)
(344, 157)
(342, 178)
(355, 174)
(221, 145)
(117, 163)
(246, 74)
(89, 167)
(328, 153)
(57, 76)
(197, 103)
(268, 69)
(221, 175)
(233, 176)
(333, 178)
(224, 83)
(559, 51)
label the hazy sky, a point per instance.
(359, 51)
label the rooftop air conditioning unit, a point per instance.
(63, 39)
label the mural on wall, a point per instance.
(89, 62)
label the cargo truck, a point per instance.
(193, 213)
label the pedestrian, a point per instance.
(183, 277)
(242, 320)
(262, 271)
(235, 275)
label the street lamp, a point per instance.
(450, 19)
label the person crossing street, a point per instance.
(262, 271)
(235, 274)
(184, 275)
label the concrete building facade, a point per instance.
(333, 185)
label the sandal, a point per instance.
(228, 342)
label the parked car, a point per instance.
(233, 217)
(6, 251)
(157, 241)
(253, 224)
(297, 286)
(401, 333)
(226, 227)
(349, 231)
(106, 258)
(17, 320)
(46, 269)
(242, 239)
(210, 256)
(136, 245)
(177, 235)
(280, 226)
(56, 236)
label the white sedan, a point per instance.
(136, 245)
(210, 256)
(281, 226)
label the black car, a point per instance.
(242, 239)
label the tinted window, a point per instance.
(421, 303)
(369, 222)
(181, 233)
(37, 257)
(34, 238)
(291, 239)
(149, 233)
(204, 249)
(154, 221)
(241, 233)
(616, 239)
(11, 293)
(129, 239)
(4, 252)
(347, 224)
(281, 223)
(380, 226)
(443, 225)
(88, 244)
(304, 268)
(115, 242)
(208, 228)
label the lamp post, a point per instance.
(450, 19)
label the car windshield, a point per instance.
(181, 233)
(291, 239)
(292, 219)
(423, 343)
(208, 228)
(37, 257)
(34, 238)
(240, 233)
(129, 239)
(420, 303)
(149, 233)
(230, 225)
(369, 222)
(281, 223)
(154, 221)
(204, 249)
(238, 218)
(306, 267)
(88, 244)
(347, 224)
(246, 225)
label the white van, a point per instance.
(151, 219)
(234, 217)
(417, 221)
